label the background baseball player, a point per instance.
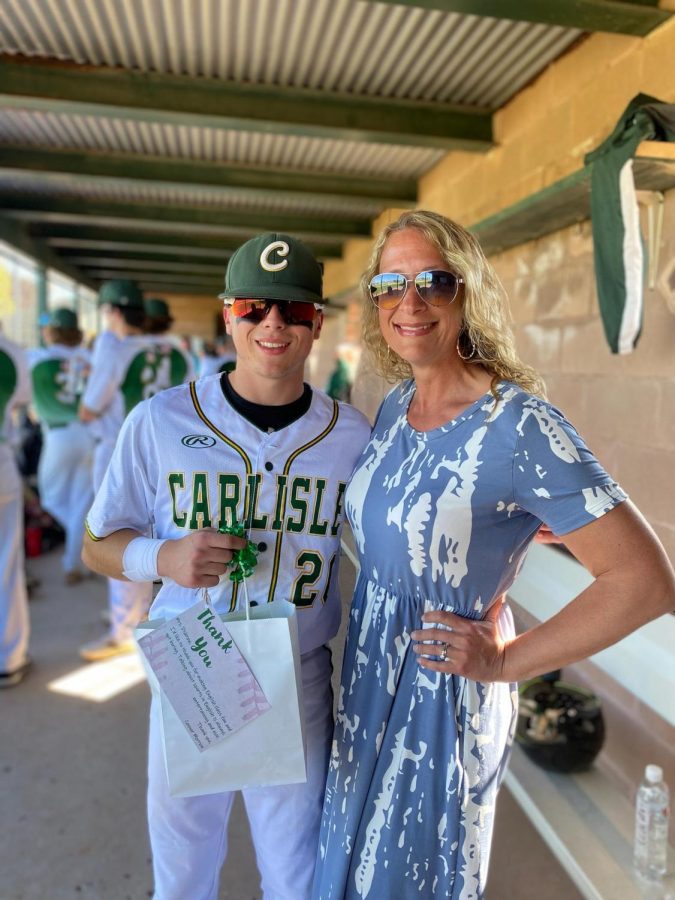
(259, 446)
(217, 356)
(123, 372)
(14, 622)
(59, 372)
(175, 364)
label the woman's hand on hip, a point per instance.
(468, 647)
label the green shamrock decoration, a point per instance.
(243, 561)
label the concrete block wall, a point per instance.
(543, 134)
(623, 406)
(540, 136)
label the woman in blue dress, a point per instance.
(465, 463)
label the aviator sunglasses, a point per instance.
(435, 286)
(293, 312)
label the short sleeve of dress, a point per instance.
(555, 476)
(126, 498)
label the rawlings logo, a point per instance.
(198, 440)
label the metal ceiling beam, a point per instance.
(210, 103)
(16, 202)
(70, 247)
(177, 287)
(88, 237)
(15, 234)
(175, 231)
(217, 261)
(148, 262)
(635, 18)
(101, 274)
(133, 168)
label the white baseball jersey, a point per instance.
(14, 619)
(209, 365)
(123, 372)
(174, 365)
(14, 383)
(186, 460)
(59, 374)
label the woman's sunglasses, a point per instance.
(293, 312)
(435, 287)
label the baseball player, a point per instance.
(123, 372)
(59, 372)
(261, 447)
(175, 364)
(217, 357)
(14, 622)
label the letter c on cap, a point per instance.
(282, 249)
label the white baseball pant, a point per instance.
(65, 484)
(14, 621)
(188, 835)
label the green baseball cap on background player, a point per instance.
(62, 318)
(274, 266)
(157, 308)
(121, 292)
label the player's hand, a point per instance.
(474, 649)
(199, 559)
(86, 414)
(546, 536)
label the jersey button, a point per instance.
(269, 466)
(262, 546)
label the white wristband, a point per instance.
(139, 562)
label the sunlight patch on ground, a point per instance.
(101, 681)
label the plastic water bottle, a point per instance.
(651, 824)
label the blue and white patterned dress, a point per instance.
(441, 519)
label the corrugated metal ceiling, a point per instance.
(110, 190)
(212, 145)
(350, 49)
(347, 46)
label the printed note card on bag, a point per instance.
(203, 675)
(269, 748)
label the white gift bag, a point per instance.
(268, 750)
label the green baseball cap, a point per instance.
(62, 318)
(121, 292)
(274, 266)
(157, 308)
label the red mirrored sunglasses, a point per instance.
(293, 312)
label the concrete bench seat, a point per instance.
(588, 825)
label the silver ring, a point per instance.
(444, 652)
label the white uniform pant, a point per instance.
(188, 835)
(14, 622)
(128, 601)
(65, 483)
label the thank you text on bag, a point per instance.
(203, 675)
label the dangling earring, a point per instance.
(463, 338)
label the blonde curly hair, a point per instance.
(486, 328)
